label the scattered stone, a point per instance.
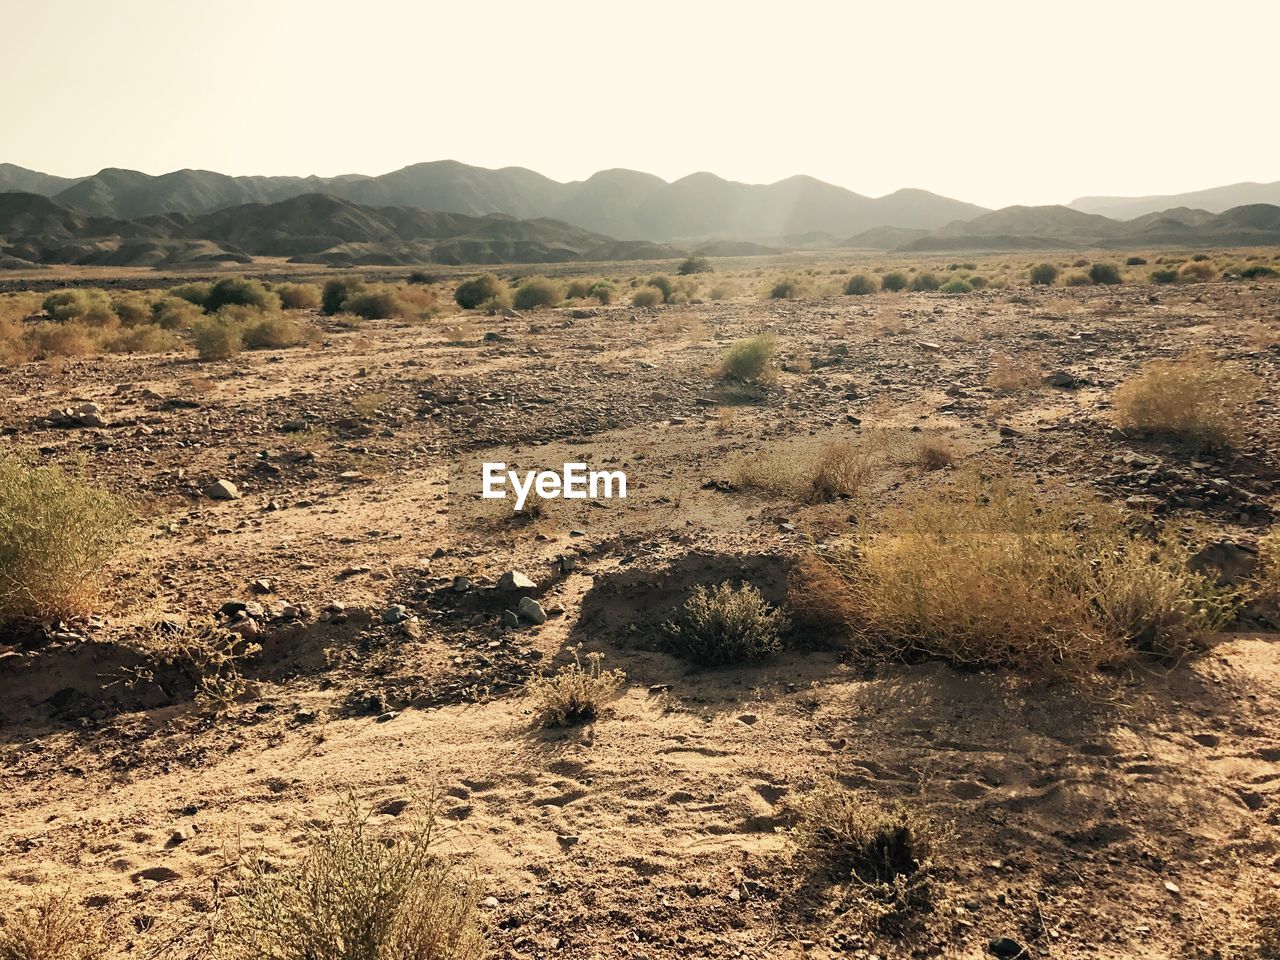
(396, 613)
(515, 580)
(222, 490)
(532, 610)
(1006, 947)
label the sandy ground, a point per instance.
(1132, 817)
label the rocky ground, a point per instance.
(317, 500)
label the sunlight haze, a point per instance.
(993, 103)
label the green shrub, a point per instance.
(536, 292)
(380, 303)
(336, 292)
(925, 282)
(786, 288)
(725, 625)
(577, 289)
(859, 285)
(1136, 262)
(1258, 271)
(174, 313)
(356, 895)
(197, 293)
(957, 285)
(298, 296)
(978, 282)
(217, 338)
(894, 282)
(647, 297)
(73, 304)
(1076, 279)
(1107, 273)
(57, 534)
(663, 283)
(606, 291)
(422, 278)
(1044, 274)
(1164, 275)
(239, 291)
(695, 265)
(472, 293)
(272, 332)
(132, 309)
(750, 360)
(146, 338)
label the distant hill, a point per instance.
(618, 203)
(310, 228)
(1057, 227)
(1214, 200)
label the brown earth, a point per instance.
(1132, 817)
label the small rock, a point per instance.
(222, 490)
(515, 580)
(532, 610)
(1006, 947)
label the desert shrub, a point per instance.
(1269, 565)
(336, 292)
(724, 290)
(1077, 280)
(376, 303)
(1082, 262)
(725, 625)
(695, 265)
(859, 285)
(1011, 374)
(606, 291)
(70, 339)
(576, 693)
(209, 656)
(894, 282)
(957, 285)
(577, 289)
(217, 338)
(1136, 262)
(144, 339)
(750, 360)
(356, 895)
(536, 292)
(298, 296)
(196, 293)
(1193, 399)
(1200, 258)
(647, 297)
(840, 469)
(472, 293)
(922, 282)
(929, 453)
(51, 926)
(1198, 270)
(240, 291)
(1258, 271)
(89, 306)
(422, 278)
(1044, 274)
(1164, 275)
(886, 853)
(977, 281)
(1105, 273)
(663, 283)
(786, 288)
(57, 533)
(174, 313)
(987, 572)
(131, 309)
(271, 332)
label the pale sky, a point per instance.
(995, 103)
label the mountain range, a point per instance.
(615, 203)
(1215, 200)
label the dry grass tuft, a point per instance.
(840, 469)
(51, 927)
(726, 625)
(57, 533)
(929, 454)
(1195, 399)
(355, 896)
(986, 572)
(751, 360)
(886, 853)
(209, 656)
(1012, 374)
(576, 694)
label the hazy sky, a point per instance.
(995, 103)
